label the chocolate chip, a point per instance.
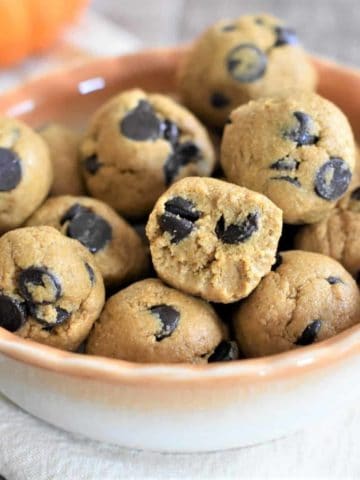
(228, 28)
(224, 352)
(237, 233)
(12, 313)
(39, 285)
(73, 211)
(334, 280)
(278, 262)
(309, 334)
(10, 170)
(90, 272)
(178, 219)
(141, 123)
(90, 229)
(332, 179)
(183, 154)
(169, 318)
(246, 63)
(286, 163)
(285, 36)
(259, 21)
(43, 313)
(170, 132)
(92, 164)
(355, 194)
(302, 135)
(293, 180)
(219, 100)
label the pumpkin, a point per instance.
(29, 26)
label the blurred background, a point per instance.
(90, 28)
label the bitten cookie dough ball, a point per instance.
(63, 145)
(25, 172)
(238, 60)
(149, 322)
(137, 145)
(307, 298)
(213, 239)
(117, 248)
(50, 288)
(337, 235)
(296, 149)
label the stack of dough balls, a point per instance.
(117, 242)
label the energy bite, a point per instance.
(25, 172)
(117, 248)
(149, 322)
(63, 145)
(307, 298)
(137, 144)
(297, 149)
(337, 235)
(213, 239)
(50, 288)
(238, 60)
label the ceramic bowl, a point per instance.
(172, 407)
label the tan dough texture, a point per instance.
(206, 72)
(260, 151)
(129, 174)
(128, 329)
(123, 258)
(306, 287)
(201, 263)
(80, 293)
(337, 235)
(63, 146)
(17, 204)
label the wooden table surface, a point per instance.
(327, 27)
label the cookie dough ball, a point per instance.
(213, 239)
(63, 145)
(297, 149)
(117, 248)
(337, 235)
(308, 298)
(137, 144)
(238, 60)
(50, 288)
(149, 322)
(25, 172)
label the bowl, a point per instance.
(177, 408)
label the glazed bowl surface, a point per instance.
(178, 408)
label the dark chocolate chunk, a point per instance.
(237, 233)
(355, 194)
(12, 313)
(90, 272)
(286, 163)
(224, 352)
(219, 100)
(229, 28)
(246, 63)
(10, 170)
(40, 312)
(73, 211)
(178, 218)
(332, 179)
(170, 132)
(169, 318)
(334, 280)
(278, 262)
(309, 334)
(93, 231)
(33, 277)
(92, 164)
(285, 36)
(183, 154)
(302, 135)
(286, 178)
(141, 123)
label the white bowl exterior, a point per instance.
(182, 418)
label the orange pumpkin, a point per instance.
(29, 26)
